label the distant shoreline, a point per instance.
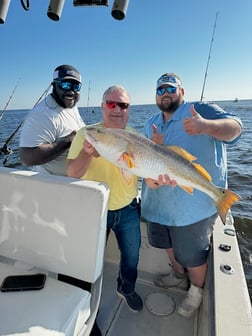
(189, 101)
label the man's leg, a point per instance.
(159, 236)
(176, 278)
(127, 231)
(194, 254)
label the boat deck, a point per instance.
(158, 317)
(217, 315)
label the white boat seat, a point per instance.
(51, 224)
(59, 308)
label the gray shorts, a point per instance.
(191, 243)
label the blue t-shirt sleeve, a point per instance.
(212, 111)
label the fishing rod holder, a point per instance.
(119, 9)
(78, 3)
(4, 6)
(55, 9)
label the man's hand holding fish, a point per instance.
(162, 180)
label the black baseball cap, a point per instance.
(66, 71)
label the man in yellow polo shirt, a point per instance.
(123, 215)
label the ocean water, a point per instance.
(239, 162)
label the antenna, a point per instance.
(88, 95)
(209, 55)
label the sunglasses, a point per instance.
(110, 105)
(67, 86)
(169, 89)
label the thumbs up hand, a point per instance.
(158, 138)
(195, 124)
(163, 180)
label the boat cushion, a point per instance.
(57, 309)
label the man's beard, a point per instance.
(170, 108)
(60, 101)
(57, 98)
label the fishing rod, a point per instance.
(12, 94)
(208, 60)
(5, 149)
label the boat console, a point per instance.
(52, 225)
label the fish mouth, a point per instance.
(90, 137)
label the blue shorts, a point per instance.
(191, 243)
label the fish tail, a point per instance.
(225, 203)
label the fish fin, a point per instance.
(127, 175)
(202, 171)
(187, 189)
(129, 163)
(127, 159)
(182, 152)
(186, 155)
(225, 203)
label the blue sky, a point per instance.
(157, 36)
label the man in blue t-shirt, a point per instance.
(177, 221)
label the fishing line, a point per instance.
(5, 149)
